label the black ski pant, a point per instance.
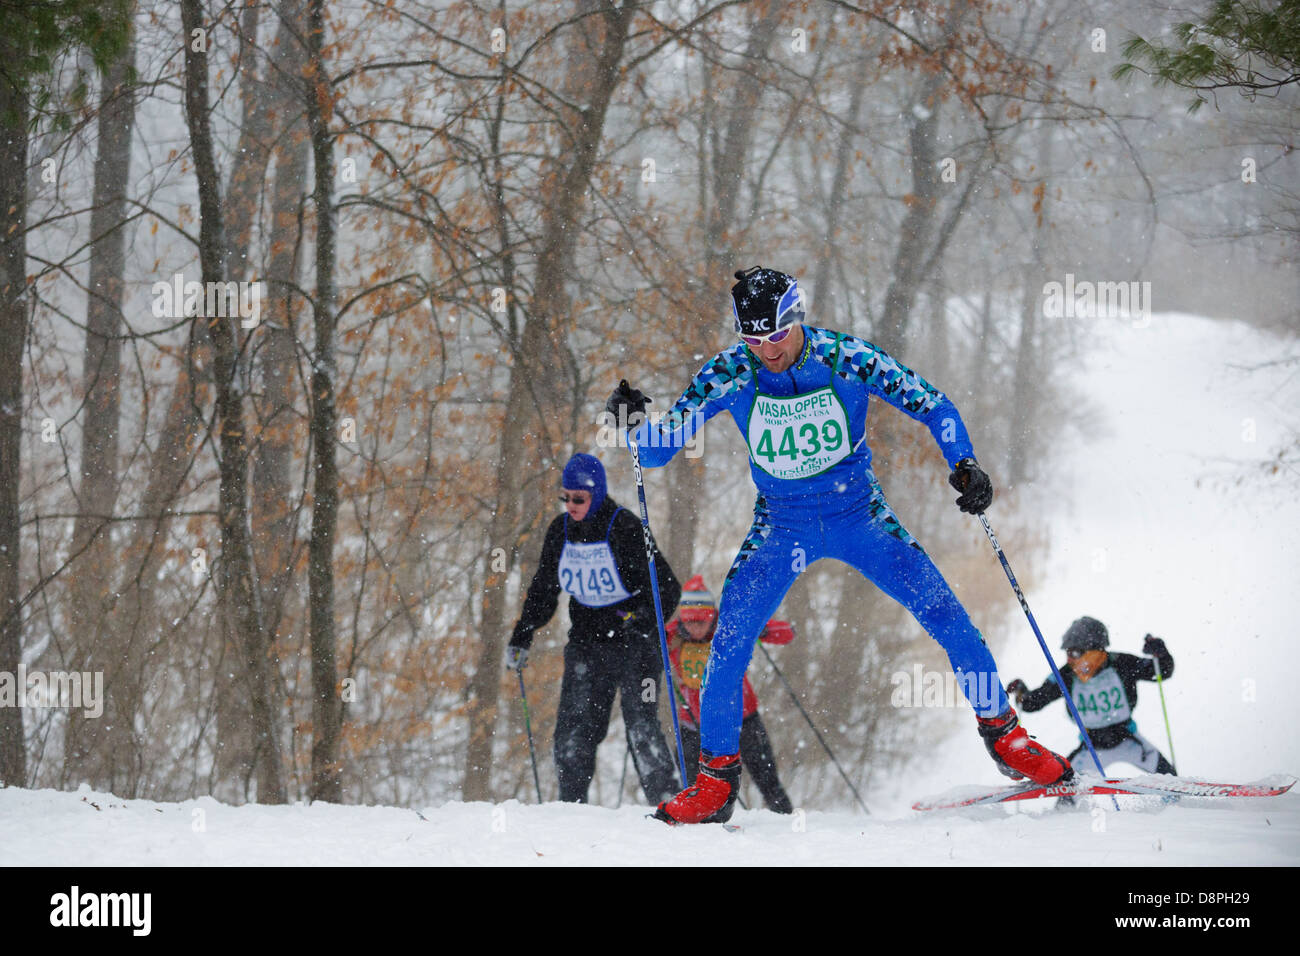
(593, 673)
(755, 755)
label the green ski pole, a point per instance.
(1160, 686)
(528, 726)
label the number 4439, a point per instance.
(810, 441)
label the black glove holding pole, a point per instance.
(638, 625)
(976, 489)
(516, 657)
(626, 401)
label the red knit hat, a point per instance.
(697, 603)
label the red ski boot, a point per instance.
(712, 798)
(1018, 755)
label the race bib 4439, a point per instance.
(799, 435)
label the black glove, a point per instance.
(639, 624)
(1017, 690)
(626, 401)
(516, 657)
(1153, 646)
(976, 489)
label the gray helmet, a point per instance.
(1086, 634)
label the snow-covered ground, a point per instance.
(81, 829)
(1160, 536)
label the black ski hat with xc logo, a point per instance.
(764, 301)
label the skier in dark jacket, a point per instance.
(595, 552)
(1104, 689)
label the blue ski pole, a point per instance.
(659, 610)
(988, 529)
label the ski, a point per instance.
(1158, 785)
(729, 827)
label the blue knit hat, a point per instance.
(586, 473)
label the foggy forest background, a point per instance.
(296, 550)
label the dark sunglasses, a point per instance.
(577, 499)
(757, 340)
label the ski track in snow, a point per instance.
(1157, 539)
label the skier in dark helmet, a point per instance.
(595, 552)
(1104, 688)
(799, 396)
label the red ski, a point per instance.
(1154, 785)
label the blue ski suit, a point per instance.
(818, 498)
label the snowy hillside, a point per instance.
(1159, 537)
(1174, 528)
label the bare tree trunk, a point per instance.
(104, 751)
(1020, 442)
(686, 480)
(918, 222)
(742, 111)
(537, 388)
(325, 708)
(844, 152)
(274, 490)
(237, 583)
(1024, 383)
(14, 112)
(270, 102)
(915, 258)
(939, 339)
(273, 522)
(183, 424)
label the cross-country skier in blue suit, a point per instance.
(799, 396)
